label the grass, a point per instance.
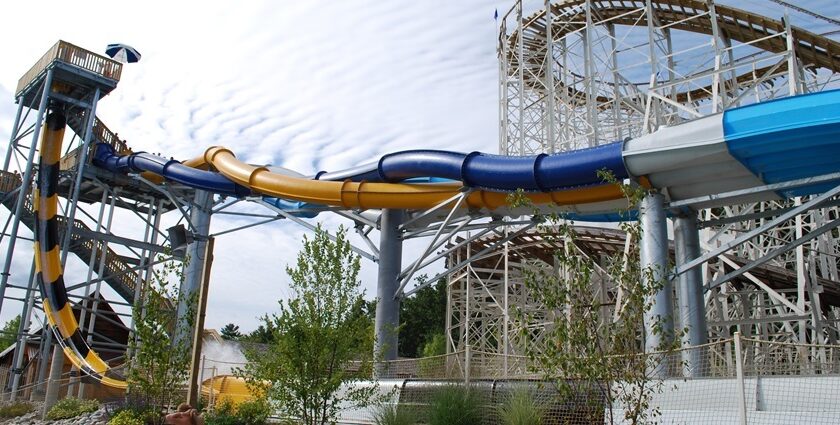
(520, 409)
(15, 409)
(455, 405)
(390, 414)
(71, 407)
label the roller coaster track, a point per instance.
(813, 50)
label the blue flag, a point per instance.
(496, 15)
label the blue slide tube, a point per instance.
(495, 172)
(171, 169)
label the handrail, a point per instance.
(115, 267)
(101, 133)
(74, 55)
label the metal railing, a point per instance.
(74, 55)
(101, 133)
(116, 270)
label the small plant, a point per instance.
(15, 409)
(520, 409)
(455, 405)
(255, 412)
(224, 413)
(393, 414)
(127, 417)
(71, 407)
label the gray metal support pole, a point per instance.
(80, 171)
(22, 336)
(46, 344)
(690, 296)
(54, 383)
(387, 305)
(13, 140)
(200, 218)
(27, 178)
(654, 262)
(193, 389)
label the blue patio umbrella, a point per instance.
(122, 53)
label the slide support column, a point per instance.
(654, 262)
(690, 295)
(388, 305)
(193, 276)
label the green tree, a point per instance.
(231, 332)
(422, 317)
(321, 338)
(263, 334)
(592, 354)
(9, 333)
(160, 363)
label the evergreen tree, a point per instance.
(231, 332)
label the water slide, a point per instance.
(743, 149)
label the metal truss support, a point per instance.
(388, 303)
(470, 238)
(653, 256)
(25, 183)
(813, 203)
(692, 307)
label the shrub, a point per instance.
(127, 417)
(454, 405)
(254, 412)
(391, 414)
(224, 413)
(520, 409)
(15, 409)
(71, 407)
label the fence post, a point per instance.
(739, 374)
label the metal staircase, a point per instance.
(118, 274)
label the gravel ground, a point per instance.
(98, 417)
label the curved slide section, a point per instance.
(493, 172)
(171, 169)
(48, 262)
(365, 195)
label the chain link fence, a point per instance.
(733, 381)
(737, 380)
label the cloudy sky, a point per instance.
(307, 85)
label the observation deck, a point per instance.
(76, 73)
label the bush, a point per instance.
(390, 414)
(520, 409)
(15, 409)
(71, 407)
(224, 413)
(127, 417)
(253, 412)
(454, 405)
